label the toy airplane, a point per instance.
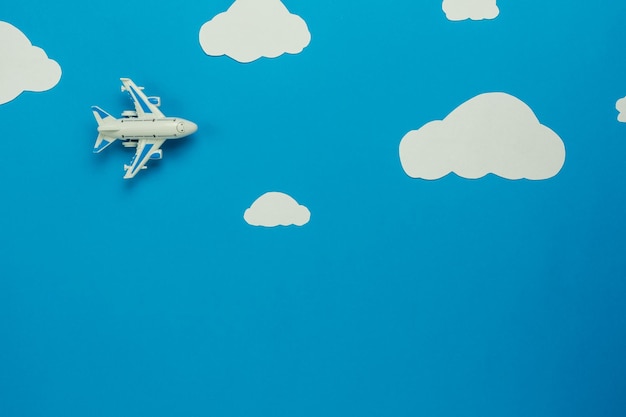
(145, 128)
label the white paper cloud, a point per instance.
(23, 67)
(276, 209)
(621, 108)
(470, 9)
(490, 133)
(251, 29)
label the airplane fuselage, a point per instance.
(132, 128)
(145, 128)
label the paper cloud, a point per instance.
(276, 209)
(621, 108)
(23, 67)
(470, 9)
(490, 133)
(251, 29)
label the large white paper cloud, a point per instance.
(251, 29)
(276, 209)
(470, 9)
(490, 133)
(23, 67)
(621, 108)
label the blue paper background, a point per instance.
(401, 297)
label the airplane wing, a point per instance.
(145, 109)
(146, 148)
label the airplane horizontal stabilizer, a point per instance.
(102, 143)
(101, 115)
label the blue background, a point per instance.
(401, 297)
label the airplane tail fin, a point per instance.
(101, 115)
(102, 142)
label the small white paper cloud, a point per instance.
(621, 108)
(276, 209)
(470, 9)
(251, 29)
(490, 133)
(23, 67)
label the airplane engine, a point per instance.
(155, 100)
(129, 113)
(157, 155)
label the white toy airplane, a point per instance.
(145, 128)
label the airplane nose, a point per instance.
(191, 127)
